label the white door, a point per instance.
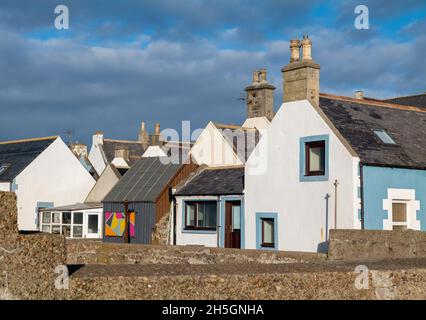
(93, 225)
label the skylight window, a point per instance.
(3, 168)
(384, 136)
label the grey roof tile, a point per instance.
(356, 120)
(215, 181)
(144, 181)
(19, 154)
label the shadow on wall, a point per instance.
(28, 261)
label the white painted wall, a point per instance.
(154, 151)
(5, 186)
(259, 123)
(54, 176)
(188, 238)
(213, 150)
(272, 182)
(96, 154)
(104, 185)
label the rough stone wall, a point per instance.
(402, 284)
(96, 252)
(160, 234)
(27, 261)
(376, 244)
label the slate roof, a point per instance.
(144, 181)
(356, 120)
(416, 100)
(75, 207)
(136, 149)
(19, 154)
(242, 140)
(215, 181)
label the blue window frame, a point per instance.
(266, 231)
(314, 158)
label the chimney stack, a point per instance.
(98, 138)
(143, 135)
(260, 96)
(359, 94)
(156, 138)
(122, 152)
(301, 76)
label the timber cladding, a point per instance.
(163, 203)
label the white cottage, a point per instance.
(43, 172)
(331, 162)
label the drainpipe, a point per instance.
(219, 222)
(361, 177)
(173, 198)
(336, 183)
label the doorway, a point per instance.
(92, 230)
(233, 224)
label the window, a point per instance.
(268, 231)
(92, 223)
(384, 136)
(315, 158)
(236, 218)
(399, 216)
(77, 229)
(65, 223)
(200, 215)
(3, 168)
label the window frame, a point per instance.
(195, 227)
(308, 146)
(378, 131)
(399, 223)
(264, 244)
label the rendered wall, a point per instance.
(305, 209)
(55, 176)
(382, 184)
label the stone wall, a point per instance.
(160, 234)
(27, 261)
(222, 282)
(376, 244)
(97, 252)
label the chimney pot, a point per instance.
(294, 50)
(359, 94)
(306, 48)
(262, 75)
(255, 76)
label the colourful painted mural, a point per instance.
(115, 223)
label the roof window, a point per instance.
(3, 168)
(384, 136)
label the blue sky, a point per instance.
(123, 62)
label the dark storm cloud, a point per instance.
(128, 61)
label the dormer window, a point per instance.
(384, 136)
(3, 168)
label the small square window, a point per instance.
(46, 217)
(384, 136)
(315, 158)
(268, 233)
